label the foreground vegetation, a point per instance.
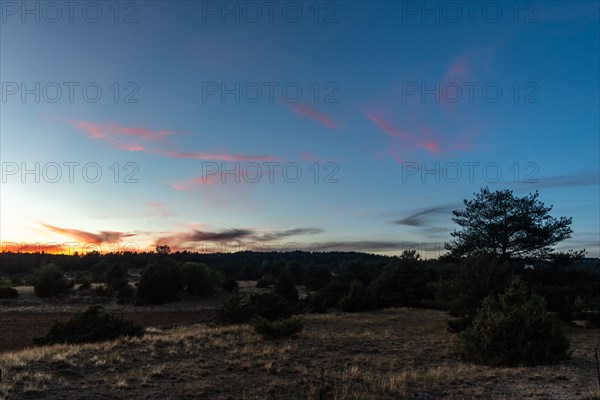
(389, 354)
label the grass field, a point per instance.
(392, 354)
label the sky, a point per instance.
(335, 125)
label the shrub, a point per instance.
(198, 279)
(230, 285)
(285, 286)
(314, 303)
(103, 291)
(265, 282)
(7, 292)
(233, 311)
(116, 277)
(281, 328)
(270, 306)
(125, 294)
(471, 282)
(588, 311)
(91, 325)
(401, 284)
(49, 281)
(316, 278)
(85, 285)
(158, 284)
(515, 330)
(355, 300)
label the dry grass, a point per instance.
(393, 354)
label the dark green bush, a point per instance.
(270, 306)
(265, 282)
(85, 285)
(514, 330)
(49, 281)
(198, 279)
(289, 327)
(91, 325)
(158, 284)
(7, 292)
(402, 284)
(588, 311)
(125, 294)
(355, 300)
(230, 284)
(316, 278)
(470, 282)
(285, 286)
(314, 303)
(116, 277)
(234, 311)
(103, 291)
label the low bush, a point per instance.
(355, 300)
(516, 329)
(285, 286)
(230, 284)
(85, 285)
(289, 327)
(265, 282)
(588, 311)
(197, 278)
(103, 291)
(7, 292)
(270, 306)
(234, 311)
(158, 284)
(49, 281)
(91, 325)
(314, 303)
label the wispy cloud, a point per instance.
(213, 156)
(424, 139)
(314, 114)
(162, 209)
(435, 248)
(130, 138)
(570, 180)
(422, 218)
(193, 239)
(112, 130)
(276, 235)
(459, 69)
(387, 128)
(89, 237)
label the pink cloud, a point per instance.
(213, 156)
(111, 130)
(196, 182)
(431, 146)
(459, 69)
(317, 116)
(410, 139)
(384, 126)
(89, 237)
(114, 134)
(225, 177)
(129, 146)
(162, 208)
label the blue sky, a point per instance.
(360, 98)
